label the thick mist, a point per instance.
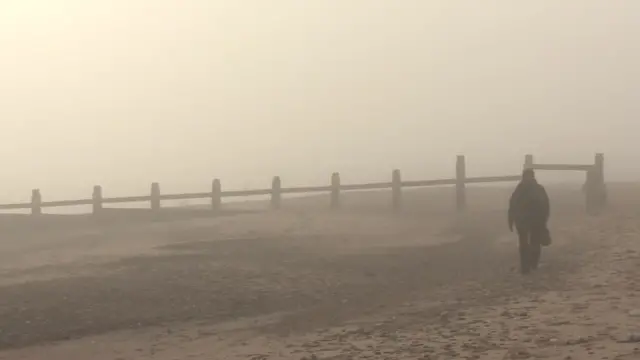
(125, 92)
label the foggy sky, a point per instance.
(125, 92)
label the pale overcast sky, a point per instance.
(126, 92)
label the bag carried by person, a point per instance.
(545, 237)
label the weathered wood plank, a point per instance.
(276, 193)
(528, 162)
(233, 193)
(202, 195)
(96, 198)
(216, 192)
(569, 167)
(67, 203)
(36, 202)
(155, 196)
(335, 191)
(15, 206)
(396, 190)
(418, 183)
(126, 199)
(461, 176)
(371, 186)
(276, 190)
(305, 189)
(492, 179)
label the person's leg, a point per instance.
(523, 243)
(535, 244)
(535, 250)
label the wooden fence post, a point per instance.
(461, 176)
(590, 192)
(335, 191)
(276, 193)
(36, 202)
(155, 196)
(594, 188)
(216, 195)
(528, 162)
(602, 189)
(97, 199)
(396, 189)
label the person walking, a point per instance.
(529, 211)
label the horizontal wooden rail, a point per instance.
(186, 196)
(15, 206)
(235, 193)
(125, 199)
(372, 186)
(66, 203)
(305, 189)
(417, 183)
(492, 179)
(563, 167)
(595, 189)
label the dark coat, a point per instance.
(529, 205)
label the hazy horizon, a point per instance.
(122, 93)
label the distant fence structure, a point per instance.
(594, 189)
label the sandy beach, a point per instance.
(306, 283)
